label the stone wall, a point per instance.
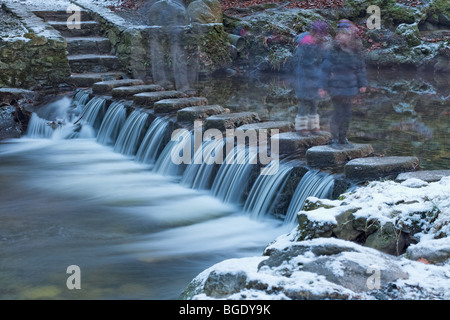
(37, 58)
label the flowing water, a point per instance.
(100, 191)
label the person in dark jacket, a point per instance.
(343, 76)
(309, 56)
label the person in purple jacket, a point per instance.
(343, 76)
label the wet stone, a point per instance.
(88, 79)
(149, 98)
(231, 120)
(331, 156)
(292, 142)
(425, 175)
(281, 126)
(190, 114)
(373, 168)
(108, 86)
(173, 105)
(129, 92)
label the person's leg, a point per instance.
(346, 114)
(336, 119)
(301, 120)
(313, 117)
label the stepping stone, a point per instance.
(230, 120)
(83, 45)
(149, 98)
(129, 92)
(281, 126)
(374, 168)
(96, 63)
(88, 79)
(191, 114)
(329, 156)
(425, 175)
(8, 95)
(294, 143)
(173, 105)
(107, 86)
(87, 28)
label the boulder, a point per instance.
(205, 11)
(434, 250)
(410, 32)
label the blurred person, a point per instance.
(343, 76)
(309, 55)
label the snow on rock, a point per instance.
(325, 267)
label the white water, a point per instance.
(134, 233)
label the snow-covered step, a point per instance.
(84, 45)
(95, 63)
(47, 15)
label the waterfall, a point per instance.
(265, 191)
(92, 112)
(38, 128)
(148, 151)
(130, 136)
(234, 174)
(314, 183)
(81, 97)
(200, 173)
(111, 125)
(180, 142)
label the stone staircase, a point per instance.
(89, 52)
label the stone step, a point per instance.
(95, 63)
(105, 87)
(281, 126)
(424, 175)
(84, 45)
(147, 99)
(330, 156)
(191, 114)
(173, 105)
(88, 79)
(62, 15)
(230, 120)
(87, 28)
(294, 143)
(374, 168)
(129, 92)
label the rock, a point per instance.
(191, 114)
(219, 285)
(329, 156)
(107, 86)
(128, 92)
(8, 126)
(10, 95)
(410, 32)
(230, 120)
(425, 175)
(434, 251)
(387, 239)
(88, 79)
(294, 143)
(374, 168)
(205, 11)
(173, 105)
(149, 98)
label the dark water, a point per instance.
(404, 113)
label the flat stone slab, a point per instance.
(149, 98)
(281, 126)
(107, 86)
(330, 156)
(373, 168)
(231, 120)
(190, 114)
(9, 94)
(88, 79)
(173, 105)
(425, 175)
(294, 143)
(129, 91)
